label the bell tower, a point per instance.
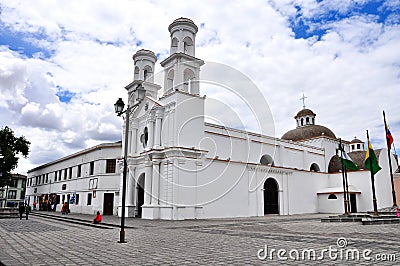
(144, 65)
(182, 68)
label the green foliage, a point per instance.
(10, 148)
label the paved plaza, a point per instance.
(269, 240)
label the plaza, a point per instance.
(238, 241)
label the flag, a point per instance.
(346, 160)
(370, 160)
(389, 137)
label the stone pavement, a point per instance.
(239, 241)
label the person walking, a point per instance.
(27, 210)
(21, 210)
(34, 205)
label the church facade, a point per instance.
(173, 173)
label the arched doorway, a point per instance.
(271, 204)
(140, 195)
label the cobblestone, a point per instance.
(44, 241)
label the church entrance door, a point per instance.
(353, 203)
(271, 205)
(140, 193)
(108, 204)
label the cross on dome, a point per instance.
(303, 99)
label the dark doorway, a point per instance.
(140, 193)
(271, 205)
(108, 204)
(353, 203)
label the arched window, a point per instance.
(174, 45)
(170, 79)
(267, 160)
(332, 196)
(307, 120)
(188, 46)
(188, 76)
(302, 122)
(147, 72)
(136, 75)
(315, 167)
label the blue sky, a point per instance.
(64, 64)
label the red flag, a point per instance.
(389, 137)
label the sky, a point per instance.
(63, 64)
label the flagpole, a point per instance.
(347, 190)
(343, 179)
(390, 162)
(373, 182)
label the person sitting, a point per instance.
(97, 219)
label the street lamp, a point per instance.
(119, 110)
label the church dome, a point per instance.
(307, 132)
(306, 127)
(356, 140)
(358, 158)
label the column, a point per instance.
(130, 188)
(147, 182)
(157, 131)
(150, 127)
(155, 184)
(133, 141)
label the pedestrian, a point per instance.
(97, 219)
(27, 210)
(398, 212)
(34, 205)
(21, 210)
(64, 208)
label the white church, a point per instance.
(182, 167)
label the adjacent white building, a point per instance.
(88, 180)
(181, 167)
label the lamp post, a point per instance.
(119, 110)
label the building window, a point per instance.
(64, 187)
(358, 146)
(47, 178)
(89, 199)
(65, 173)
(59, 175)
(79, 172)
(110, 166)
(93, 183)
(332, 196)
(63, 199)
(76, 199)
(91, 170)
(12, 194)
(55, 176)
(13, 183)
(70, 173)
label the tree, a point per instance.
(10, 148)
